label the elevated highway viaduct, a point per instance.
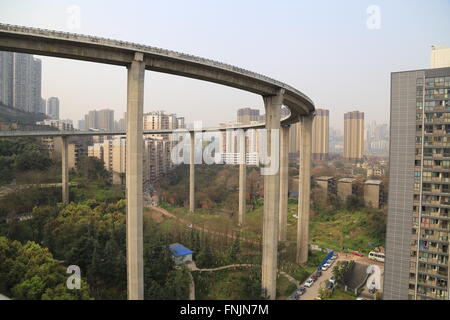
(137, 58)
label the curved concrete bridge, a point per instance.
(138, 58)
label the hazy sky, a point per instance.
(323, 48)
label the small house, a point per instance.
(181, 254)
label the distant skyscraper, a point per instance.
(418, 226)
(123, 122)
(320, 134)
(27, 83)
(101, 120)
(20, 81)
(36, 86)
(53, 108)
(336, 141)
(354, 135)
(81, 125)
(440, 57)
(43, 108)
(246, 115)
(91, 120)
(377, 138)
(6, 78)
(106, 119)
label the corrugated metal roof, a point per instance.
(178, 250)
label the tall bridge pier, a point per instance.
(242, 177)
(134, 186)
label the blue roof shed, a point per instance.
(178, 250)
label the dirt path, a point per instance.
(191, 287)
(192, 267)
(194, 226)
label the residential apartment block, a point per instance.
(417, 241)
(156, 157)
(20, 81)
(320, 135)
(354, 135)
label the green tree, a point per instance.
(29, 271)
(340, 270)
(354, 202)
(93, 170)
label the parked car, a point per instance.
(332, 280)
(356, 253)
(325, 267)
(329, 285)
(300, 291)
(327, 264)
(309, 283)
(318, 273)
(314, 277)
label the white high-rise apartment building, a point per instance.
(53, 108)
(20, 81)
(7, 78)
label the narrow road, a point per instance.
(312, 292)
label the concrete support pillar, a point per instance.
(284, 182)
(134, 158)
(192, 173)
(242, 178)
(272, 105)
(304, 189)
(65, 170)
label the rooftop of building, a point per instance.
(347, 180)
(178, 250)
(373, 182)
(324, 178)
(445, 69)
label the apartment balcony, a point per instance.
(431, 283)
(431, 272)
(431, 214)
(430, 237)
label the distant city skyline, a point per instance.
(356, 60)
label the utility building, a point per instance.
(181, 254)
(327, 184)
(346, 187)
(373, 193)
